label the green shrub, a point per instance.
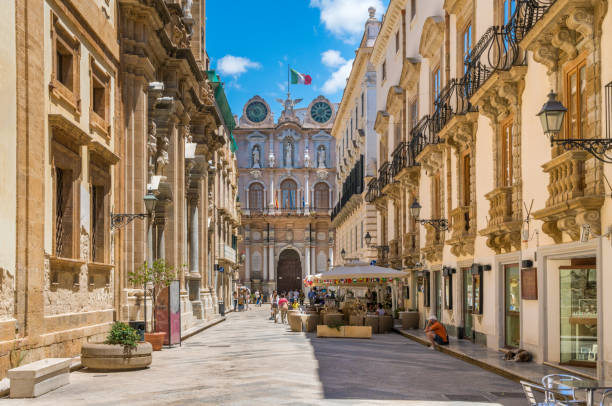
(122, 334)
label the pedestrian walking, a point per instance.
(283, 305)
(247, 298)
(302, 297)
(312, 296)
(257, 299)
(235, 296)
(290, 296)
(240, 302)
(274, 307)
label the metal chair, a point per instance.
(528, 388)
(567, 392)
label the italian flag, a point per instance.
(298, 78)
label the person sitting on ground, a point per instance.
(436, 332)
(380, 311)
(283, 305)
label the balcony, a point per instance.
(427, 149)
(280, 212)
(463, 231)
(434, 244)
(352, 186)
(395, 254)
(373, 192)
(575, 196)
(227, 253)
(503, 231)
(452, 101)
(385, 176)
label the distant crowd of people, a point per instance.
(243, 297)
(280, 304)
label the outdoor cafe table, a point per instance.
(587, 385)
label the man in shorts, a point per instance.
(436, 332)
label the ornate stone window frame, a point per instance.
(98, 79)
(63, 41)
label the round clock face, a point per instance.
(256, 112)
(321, 112)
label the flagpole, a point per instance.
(288, 81)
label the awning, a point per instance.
(355, 274)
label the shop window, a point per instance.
(575, 98)
(65, 65)
(505, 143)
(448, 288)
(578, 294)
(477, 289)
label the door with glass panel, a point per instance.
(512, 306)
(578, 293)
(467, 303)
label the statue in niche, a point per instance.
(271, 160)
(162, 155)
(288, 154)
(152, 147)
(187, 9)
(321, 157)
(307, 158)
(256, 157)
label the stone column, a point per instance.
(160, 251)
(307, 255)
(194, 238)
(271, 272)
(313, 258)
(265, 261)
(247, 265)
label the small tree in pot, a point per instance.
(160, 275)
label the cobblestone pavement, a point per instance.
(249, 360)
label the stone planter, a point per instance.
(356, 320)
(309, 322)
(372, 321)
(410, 320)
(332, 318)
(109, 357)
(344, 331)
(156, 340)
(295, 321)
(385, 323)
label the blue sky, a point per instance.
(251, 43)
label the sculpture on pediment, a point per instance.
(151, 147)
(321, 157)
(256, 157)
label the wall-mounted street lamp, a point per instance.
(343, 253)
(119, 220)
(368, 241)
(438, 224)
(551, 117)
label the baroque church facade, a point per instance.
(287, 189)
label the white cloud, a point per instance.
(337, 81)
(235, 65)
(332, 58)
(345, 19)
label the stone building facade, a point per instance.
(500, 250)
(287, 188)
(107, 100)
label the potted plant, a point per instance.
(158, 274)
(122, 350)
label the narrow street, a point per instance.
(249, 360)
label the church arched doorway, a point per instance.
(289, 271)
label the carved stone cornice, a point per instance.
(432, 36)
(409, 77)
(567, 28)
(409, 178)
(381, 124)
(570, 204)
(431, 158)
(503, 231)
(434, 244)
(460, 131)
(410, 251)
(463, 235)
(395, 100)
(501, 94)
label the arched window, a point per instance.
(321, 196)
(288, 194)
(256, 196)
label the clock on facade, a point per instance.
(256, 112)
(321, 112)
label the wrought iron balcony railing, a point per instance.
(453, 100)
(385, 177)
(404, 156)
(373, 192)
(497, 50)
(352, 185)
(528, 13)
(423, 134)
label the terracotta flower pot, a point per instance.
(156, 340)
